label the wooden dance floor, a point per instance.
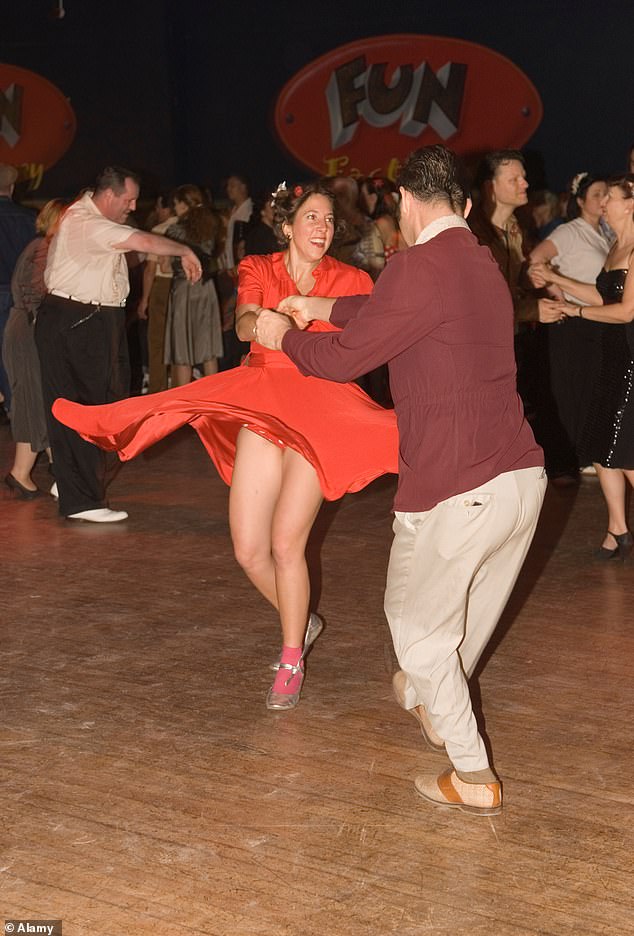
(145, 789)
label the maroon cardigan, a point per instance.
(441, 315)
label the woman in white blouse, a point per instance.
(578, 250)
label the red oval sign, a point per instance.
(37, 123)
(364, 106)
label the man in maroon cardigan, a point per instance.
(471, 479)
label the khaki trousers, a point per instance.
(450, 575)
(157, 317)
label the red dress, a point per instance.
(349, 439)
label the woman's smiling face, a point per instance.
(312, 229)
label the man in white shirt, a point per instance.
(80, 328)
(238, 193)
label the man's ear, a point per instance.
(468, 206)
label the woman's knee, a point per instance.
(288, 548)
(250, 554)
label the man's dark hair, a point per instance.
(434, 174)
(242, 178)
(491, 162)
(113, 177)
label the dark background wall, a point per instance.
(184, 90)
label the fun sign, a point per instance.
(363, 107)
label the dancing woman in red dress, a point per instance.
(282, 441)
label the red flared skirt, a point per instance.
(349, 439)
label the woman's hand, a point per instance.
(556, 310)
(306, 309)
(540, 274)
(569, 309)
(298, 308)
(550, 310)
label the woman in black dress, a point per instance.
(608, 437)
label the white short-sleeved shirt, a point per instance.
(83, 261)
(242, 213)
(581, 251)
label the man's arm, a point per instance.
(346, 308)
(401, 310)
(306, 309)
(145, 242)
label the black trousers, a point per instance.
(83, 357)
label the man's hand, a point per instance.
(191, 266)
(298, 308)
(305, 309)
(270, 328)
(141, 309)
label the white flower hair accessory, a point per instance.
(281, 188)
(576, 182)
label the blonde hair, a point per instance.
(49, 216)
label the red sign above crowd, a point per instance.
(363, 107)
(37, 123)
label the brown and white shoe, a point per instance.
(483, 799)
(431, 738)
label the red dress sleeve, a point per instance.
(250, 280)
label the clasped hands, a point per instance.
(272, 325)
(551, 309)
(540, 274)
(557, 310)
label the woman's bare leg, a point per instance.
(295, 512)
(613, 483)
(181, 374)
(210, 367)
(274, 499)
(23, 463)
(255, 489)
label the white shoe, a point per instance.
(54, 492)
(99, 515)
(588, 470)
